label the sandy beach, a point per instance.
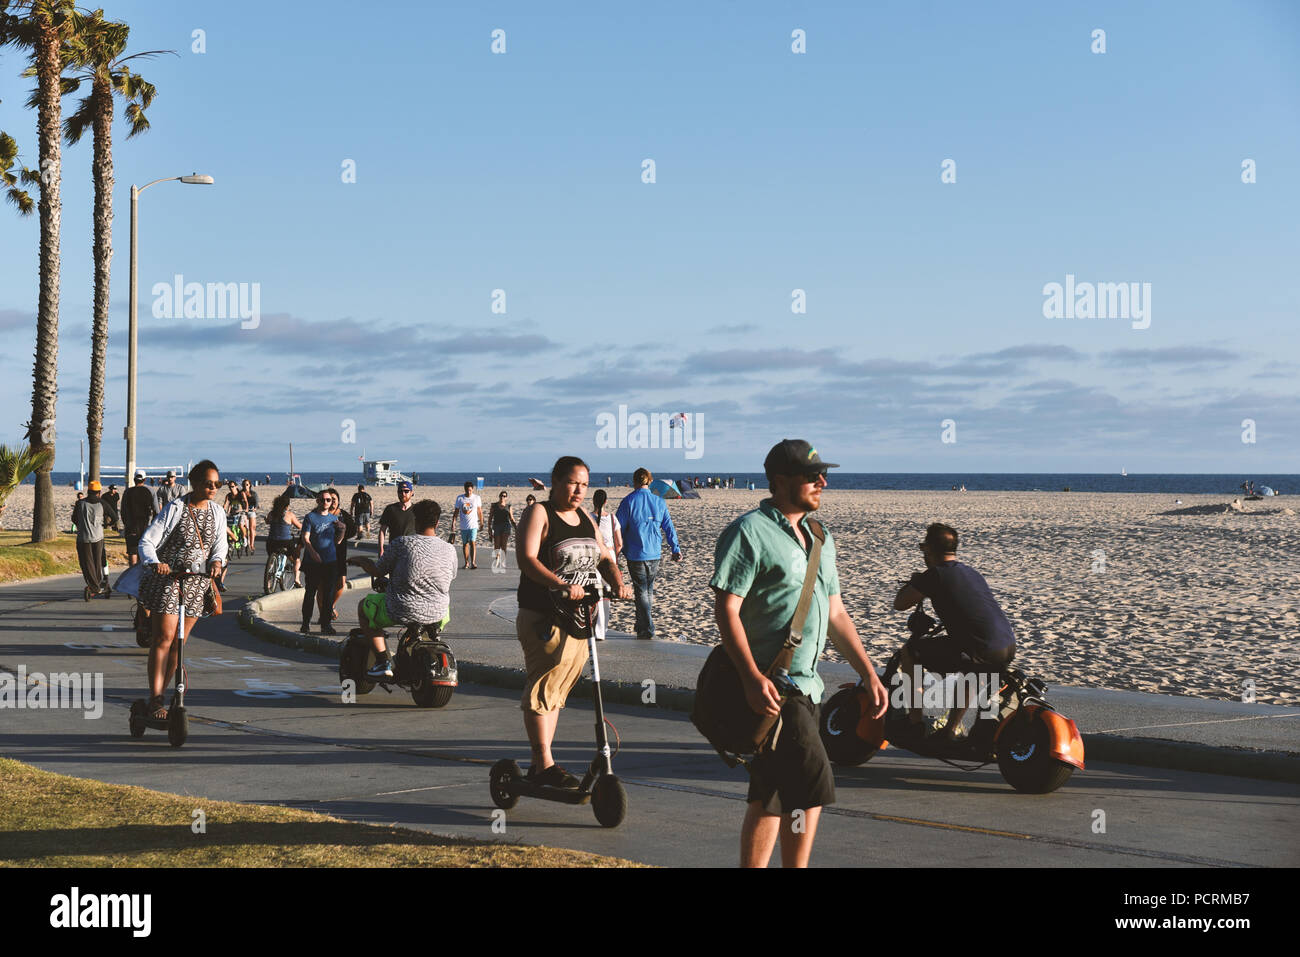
(1190, 599)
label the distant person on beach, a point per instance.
(469, 512)
(980, 638)
(320, 535)
(361, 505)
(530, 500)
(558, 549)
(501, 522)
(419, 569)
(88, 520)
(645, 522)
(168, 490)
(138, 509)
(396, 519)
(760, 562)
(111, 500)
(607, 525)
(190, 532)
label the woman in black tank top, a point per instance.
(572, 554)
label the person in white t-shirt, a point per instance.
(469, 510)
(607, 525)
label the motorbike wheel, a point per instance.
(502, 773)
(609, 800)
(432, 696)
(137, 719)
(1025, 759)
(839, 723)
(178, 727)
(353, 663)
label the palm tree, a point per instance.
(96, 52)
(10, 179)
(16, 465)
(42, 27)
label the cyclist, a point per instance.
(250, 502)
(420, 568)
(282, 540)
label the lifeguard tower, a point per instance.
(381, 472)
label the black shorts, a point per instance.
(132, 544)
(289, 546)
(796, 774)
(947, 656)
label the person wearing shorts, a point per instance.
(759, 566)
(395, 520)
(419, 569)
(558, 549)
(139, 507)
(361, 505)
(469, 510)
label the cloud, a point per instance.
(1169, 356)
(1033, 351)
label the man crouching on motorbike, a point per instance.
(979, 634)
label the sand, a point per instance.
(1191, 599)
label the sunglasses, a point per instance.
(212, 485)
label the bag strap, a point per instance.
(194, 518)
(795, 638)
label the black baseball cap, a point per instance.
(794, 457)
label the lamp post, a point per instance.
(128, 433)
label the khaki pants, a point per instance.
(553, 661)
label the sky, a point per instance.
(853, 244)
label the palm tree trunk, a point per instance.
(45, 373)
(103, 163)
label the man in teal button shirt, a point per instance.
(760, 562)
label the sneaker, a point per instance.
(555, 777)
(382, 668)
(305, 628)
(327, 629)
(85, 593)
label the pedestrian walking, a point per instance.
(607, 526)
(645, 523)
(88, 520)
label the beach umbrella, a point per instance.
(665, 488)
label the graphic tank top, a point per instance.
(572, 553)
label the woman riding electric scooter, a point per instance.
(190, 531)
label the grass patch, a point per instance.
(52, 820)
(21, 558)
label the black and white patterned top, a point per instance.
(182, 548)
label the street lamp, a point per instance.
(128, 433)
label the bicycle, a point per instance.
(278, 573)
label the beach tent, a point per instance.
(665, 488)
(302, 491)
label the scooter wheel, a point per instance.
(609, 800)
(432, 696)
(178, 727)
(1026, 761)
(839, 729)
(137, 718)
(503, 773)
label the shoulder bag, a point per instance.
(721, 712)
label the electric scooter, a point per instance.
(176, 724)
(423, 663)
(1036, 747)
(599, 786)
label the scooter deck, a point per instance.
(545, 792)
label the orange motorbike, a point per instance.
(1036, 747)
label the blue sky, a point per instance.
(775, 171)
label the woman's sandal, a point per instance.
(157, 708)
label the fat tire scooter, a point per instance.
(176, 724)
(599, 786)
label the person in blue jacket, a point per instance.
(645, 522)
